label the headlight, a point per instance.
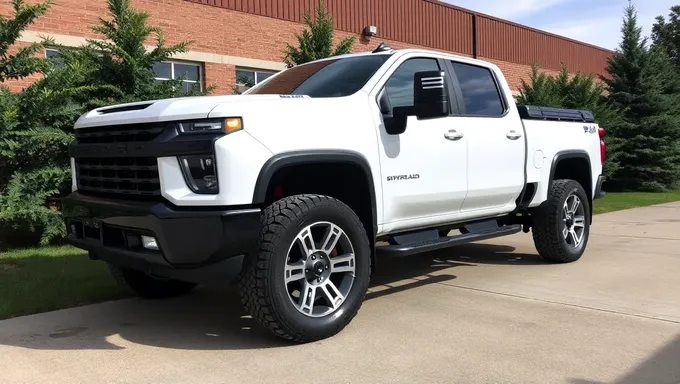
(200, 173)
(227, 125)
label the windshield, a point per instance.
(327, 78)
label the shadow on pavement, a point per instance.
(663, 367)
(215, 320)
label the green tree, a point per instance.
(666, 34)
(23, 63)
(116, 69)
(317, 41)
(15, 63)
(643, 87)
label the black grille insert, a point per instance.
(135, 133)
(127, 175)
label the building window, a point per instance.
(246, 78)
(191, 73)
(53, 54)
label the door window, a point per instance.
(399, 88)
(480, 91)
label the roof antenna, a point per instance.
(382, 48)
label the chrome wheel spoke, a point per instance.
(306, 242)
(331, 238)
(566, 209)
(335, 298)
(574, 204)
(579, 221)
(343, 263)
(295, 272)
(307, 297)
(565, 232)
(576, 238)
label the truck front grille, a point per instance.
(119, 175)
(135, 133)
(121, 161)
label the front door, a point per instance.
(424, 170)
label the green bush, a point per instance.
(36, 125)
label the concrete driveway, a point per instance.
(483, 313)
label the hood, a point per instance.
(163, 110)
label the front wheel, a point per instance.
(561, 225)
(311, 272)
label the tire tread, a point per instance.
(548, 245)
(254, 284)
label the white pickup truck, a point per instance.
(291, 188)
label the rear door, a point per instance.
(495, 139)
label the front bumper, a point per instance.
(195, 244)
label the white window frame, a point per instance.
(193, 63)
(255, 71)
(50, 49)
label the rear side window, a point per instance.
(480, 91)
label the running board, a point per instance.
(401, 250)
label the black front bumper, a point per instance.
(195, 244)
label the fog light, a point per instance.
(200, 173)
(149, 242)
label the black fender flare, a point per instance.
(286, 159)
(570, 154)
(574, 154)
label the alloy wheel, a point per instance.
(320, 269)
(574, 221)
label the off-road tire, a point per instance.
(261, 284)
(147, 286)
(547, 223)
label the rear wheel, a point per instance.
(311, 272)
(149, 286)
(561, 226)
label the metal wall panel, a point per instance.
(506, 41)
(441, 26)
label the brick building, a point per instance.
(247, 37)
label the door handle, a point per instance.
(453, 135)
(512, 135)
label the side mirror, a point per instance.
(430, 99)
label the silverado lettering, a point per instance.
(403, 177)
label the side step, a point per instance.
(408, 249)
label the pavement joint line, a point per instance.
(635, 237)
(560, 303)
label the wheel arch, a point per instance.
(568, 165)
(288, 160)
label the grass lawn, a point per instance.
(625, 200)
(49, 278)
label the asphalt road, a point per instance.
(483, 313)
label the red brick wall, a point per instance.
(212, 29)
(223, 77)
